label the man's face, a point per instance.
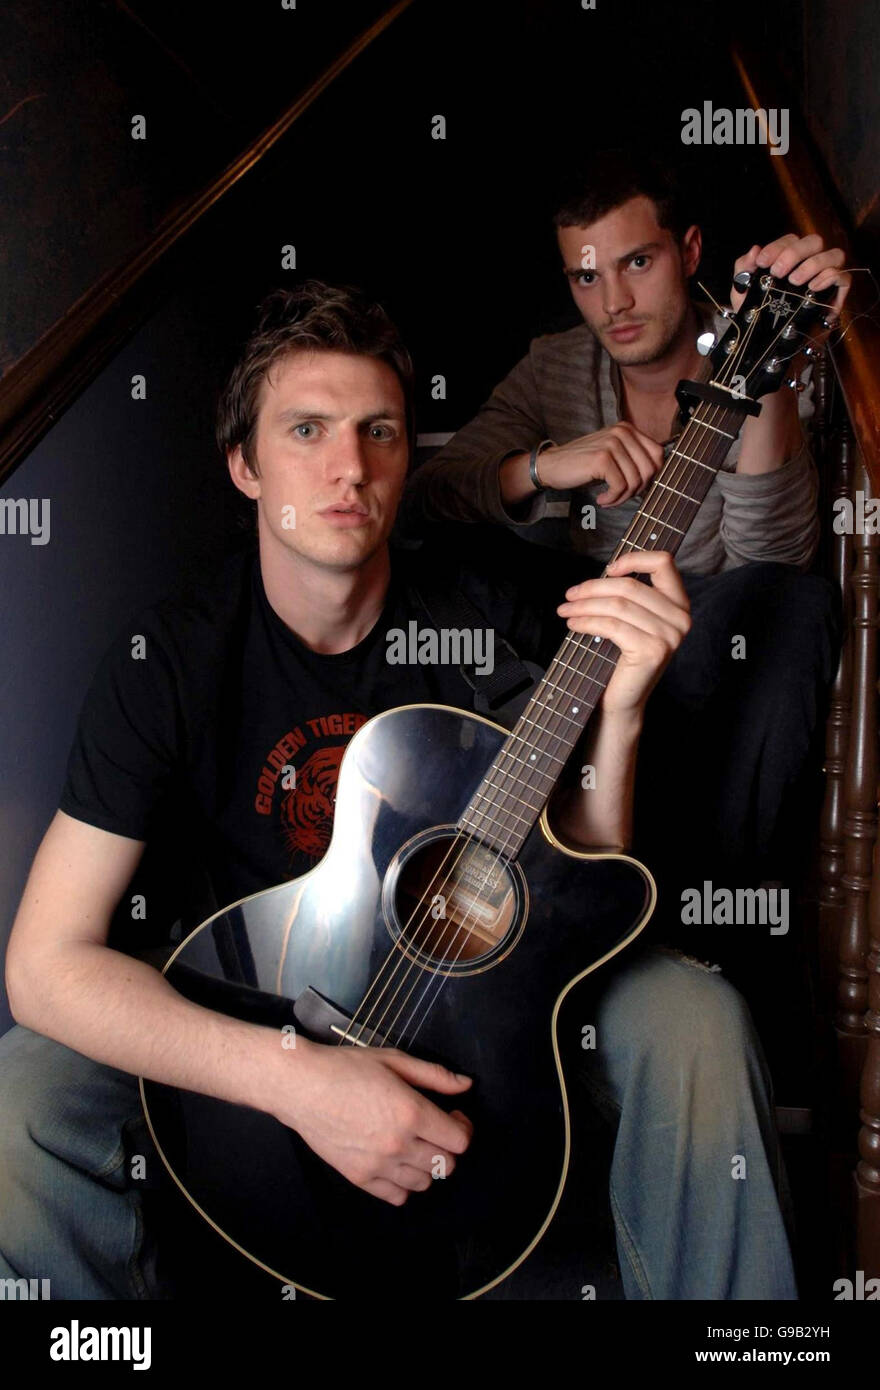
(636, 299)
(331, 457)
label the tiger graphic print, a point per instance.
(307, 809)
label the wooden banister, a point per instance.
(850, 896)
(860, 825)
(835, 456)
(48, 378)
(856, 354)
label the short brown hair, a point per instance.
(315, 317)
(611, 178)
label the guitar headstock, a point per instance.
(770, 328)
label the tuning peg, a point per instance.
(796, 384)
(814, 352)
(705, 344)
(830, 321)
(742, 279)
(773, 364)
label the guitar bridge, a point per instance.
(323, 1021)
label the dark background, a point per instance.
(451, 234)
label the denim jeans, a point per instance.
(698, 1189)
(677, 1069)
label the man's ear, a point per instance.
(241, 473)
(691, 250)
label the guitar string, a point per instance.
(554, 734)
(464, 841)
(717, 412)
(646, 521)
(741, 345)
(464, 932)
(567, 691)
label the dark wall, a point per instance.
(79, 193)
(137, 499)
(842, 103)
(454, 235)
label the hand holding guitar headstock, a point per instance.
(772, 324)
(805, 267)
(804, 261)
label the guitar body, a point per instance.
(349, 953)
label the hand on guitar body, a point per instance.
(358, 1110)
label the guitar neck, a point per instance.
(512, 795)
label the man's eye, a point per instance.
(640, 262)
(381, 432)
(585, 279)
(305, 431)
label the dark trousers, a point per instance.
(729, 782)
(730, 758)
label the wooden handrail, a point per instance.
(856, 356)
(48, 378)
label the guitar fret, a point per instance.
(670, 488)
(704, 425)
(520, 801)
(568, 666)
(611, 660)
(576, 722)
(698, 462)
(487, 816)
(573, 694)
(544, 752)
(511, 777)
(668, 524)
(487, 834)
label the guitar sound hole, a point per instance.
(454, 900)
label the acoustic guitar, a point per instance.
(446, 918)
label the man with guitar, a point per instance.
(213, 702)
(570, 438)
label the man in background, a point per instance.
(559, 456)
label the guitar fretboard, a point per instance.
(512, 795)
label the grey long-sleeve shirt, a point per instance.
(567, 386)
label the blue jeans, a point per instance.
(698, 1189)
(677, 1068)
(70, 1208)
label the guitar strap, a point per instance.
(501, 694)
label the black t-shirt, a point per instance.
(209, 715)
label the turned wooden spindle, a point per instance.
(868, 1170)
(860, 822)
(836, 464)
(821, 423)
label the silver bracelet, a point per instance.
(533, 465)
